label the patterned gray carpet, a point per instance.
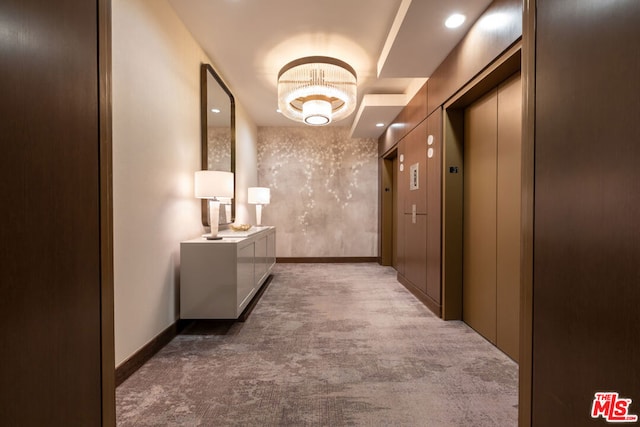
(327, 345)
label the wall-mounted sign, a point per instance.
(413, 178)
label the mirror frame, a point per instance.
(205, 71)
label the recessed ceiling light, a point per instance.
(278, 111)
(379, 125)
(215, 110)
(454, 21)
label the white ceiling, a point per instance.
(393, 45)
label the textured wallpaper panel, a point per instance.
(324, 191)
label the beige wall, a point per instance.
(156, 149)
(324, 191)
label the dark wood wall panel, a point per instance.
(419, 243)
(50, 257)
(402, 182)
(586, 286)
(416, 251)
(390, 137)
(410, 116)
(400, 235)
(434, 207)
(482, 44)
(415, 153)
(395, 219)
(416, 110)
(400, 191)
(412, 243)
(106, 215)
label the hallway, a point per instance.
(327, 345)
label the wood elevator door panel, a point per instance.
(491, 242)
(479, 223)
(508, 215)
(416, 251)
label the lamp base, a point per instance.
(214, 218)
(258, 215)
(210, 237)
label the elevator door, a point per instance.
(394, 211)
(491, 235)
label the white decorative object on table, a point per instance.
(240, 227)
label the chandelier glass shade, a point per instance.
(317, 90)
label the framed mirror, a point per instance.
(218, 133)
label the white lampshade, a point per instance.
(211, 184)
(259, 195)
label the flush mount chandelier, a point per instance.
(317, 90)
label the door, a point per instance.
(479, 216)
(394, 211)
(509, 189)
(387, 212)
(491, 224)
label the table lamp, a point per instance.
(259, 196)
(211, 185)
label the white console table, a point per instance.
(218, 278)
